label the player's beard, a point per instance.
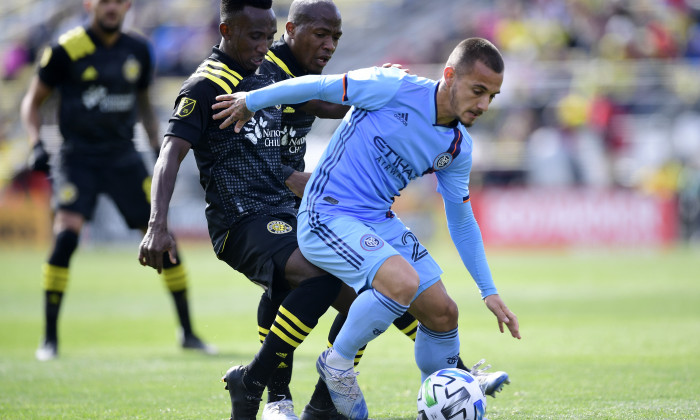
(109, 29)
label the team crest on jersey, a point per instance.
(186, 107)
(442, 161)
(67, 194)
(131, 69)
(371, 242)
(279, 227)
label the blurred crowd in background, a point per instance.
(597, 93)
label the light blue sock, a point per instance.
(435, 350)
(369, 316)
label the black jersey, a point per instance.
(98, 88)
(296, 124)
(241, 173)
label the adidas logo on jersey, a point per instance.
(402, 116)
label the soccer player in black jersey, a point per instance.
(250, 212)
(103, 75)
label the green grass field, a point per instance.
(606, 335)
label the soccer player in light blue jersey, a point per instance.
(400, 127)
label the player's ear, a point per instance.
(290, 28)
(449, 75)
(225, 30)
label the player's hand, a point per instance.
(39, 158)
(234, 110)
(396, 66)
(504, 315)
(154, 245)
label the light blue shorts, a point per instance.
(353, 250)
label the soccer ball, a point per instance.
(451, 394)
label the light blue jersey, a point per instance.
(389, 138)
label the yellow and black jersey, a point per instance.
(241, 173)
(98, 88)
(296, 124)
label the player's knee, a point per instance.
(68, 221)
(397, 279)
(444, 317)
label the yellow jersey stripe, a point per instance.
(220, 73)
(216, 80)
(224, 67)
(294, 320)
(273, 58)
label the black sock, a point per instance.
(278, 385)
(55, 280)
(175, 278)
(297, 316)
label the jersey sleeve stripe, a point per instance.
(466, 199)
(345, 87)
(223, 67)
(220, 73)
(216, 80)
(77, 43)
(273, 58)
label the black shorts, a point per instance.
(78, 179)
(259, 247)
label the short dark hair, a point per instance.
(230, 7)
(301, 12)
(471, 50)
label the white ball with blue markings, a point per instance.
(451, 394)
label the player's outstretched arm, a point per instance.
(233, 109)
(503, 314)
(296, 182)
(158, 239)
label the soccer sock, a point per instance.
(175, 278)
(55, 274)
(297, 316)
(408, 325)
(278, 384)
(435, 350)
(370, 315)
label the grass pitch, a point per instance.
(606, 335)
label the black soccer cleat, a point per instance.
(312, 413)
(192, 342)
(244, 404)
(48, 350)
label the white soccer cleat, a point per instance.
(490, 382)
(345, 392)
(279, 410)
(48, 350)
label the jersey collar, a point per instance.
(282, 56)
(232, 64)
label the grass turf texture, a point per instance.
(606, 335)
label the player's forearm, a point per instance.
(466, 236)
(300, 89)
(163, 185)
(149, 120)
